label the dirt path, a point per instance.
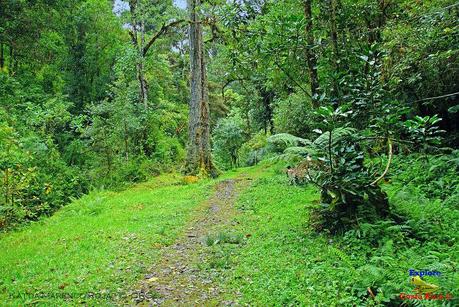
(182, 277)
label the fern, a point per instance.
(301, 151)
(337, 135)
(294, 148)
(345, 258)
(280, 142)
(291, 158)
(295, 154)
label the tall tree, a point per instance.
(199, 158)
(139, 43)
(335, 47)
(310, 56)
(138, 11)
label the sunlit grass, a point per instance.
(284, 263)
(101, 243)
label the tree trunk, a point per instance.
(140, 66)
(2, 57)
(142, 80)
(143, 93)
(199, 158)
(7, 186)
(12, 63)
(267, 97)
(126, 142)
(334, 39)
(375, 25)
(310, 56)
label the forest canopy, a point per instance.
(96, 93)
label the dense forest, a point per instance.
(347, 107)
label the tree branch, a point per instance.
(216, 32)
(228, 82)
(163, 30)
(389, 143)
(437, 97)
(133, 38)
(292, 79)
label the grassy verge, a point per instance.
(99, 244)
(284, 263)
(269, 256)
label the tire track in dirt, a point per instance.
(178, 278)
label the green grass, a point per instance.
(283, 262)
(278, 264)
(102, 243)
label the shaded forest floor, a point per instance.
(241, 240)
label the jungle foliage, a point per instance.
(97, 95)
(348, 107)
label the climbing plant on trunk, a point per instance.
(199, 159)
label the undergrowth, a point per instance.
(284, 262)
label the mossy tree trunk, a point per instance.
(199, 158)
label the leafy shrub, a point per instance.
(293, 115)
(278, 143)
(418, 234)
(338, 163)
(254, 150)
(123, 173)
(347, 192)
(36, 183)
(424, 131)
(228, 137)
(168, 151)
(436, 176)
(334, 162)
(34, 178)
